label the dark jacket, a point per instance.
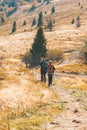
(43, 66)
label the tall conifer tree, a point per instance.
(38, 49)
(14, 27)
(40, 20)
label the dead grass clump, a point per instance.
(55, 55)
(27, 58)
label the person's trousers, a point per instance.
(50, 77)
(43, 77)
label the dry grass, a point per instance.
(55, 55)
(28, 102)
(2, 73)
(35, 118)
(74, 68)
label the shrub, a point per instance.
(27, 58)
(81, 7)
(55, 55)
(85, 52)
(45, 12)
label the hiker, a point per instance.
(43, 70)
(50, 70)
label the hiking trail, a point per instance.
(73, 117)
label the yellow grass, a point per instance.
(81, 86)
(28, 102)
(76, 68)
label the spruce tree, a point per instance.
(50, 25)
(78, 22)
(14, 27)
(53, 10)
(38, 49)
(40, 20)
(73, 21)
(24, 23)
(34, 22)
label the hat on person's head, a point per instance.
(50, 61)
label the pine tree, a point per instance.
(14, 27)
(38, 47)
(40, 20)
(24, 23)
(53, 10)
(50, 25)
(79, 4)
(34, 22)
(78, 22)
(73, 21)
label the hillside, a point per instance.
(25, 102)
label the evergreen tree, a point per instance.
(79, 4)
(73, 21)
(81, 7)
(14, 27)
(40, 20)
(78, 22)
(24, 23)
(2, 19)
(53, 10)
(38, 47)
(50, 25)
(34, 22)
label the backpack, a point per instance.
(51, 69)
(43, 67)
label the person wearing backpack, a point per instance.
(50, 70)
(43, 70)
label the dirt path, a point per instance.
(74, 116)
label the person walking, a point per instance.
(50, 71)
(43, 70)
